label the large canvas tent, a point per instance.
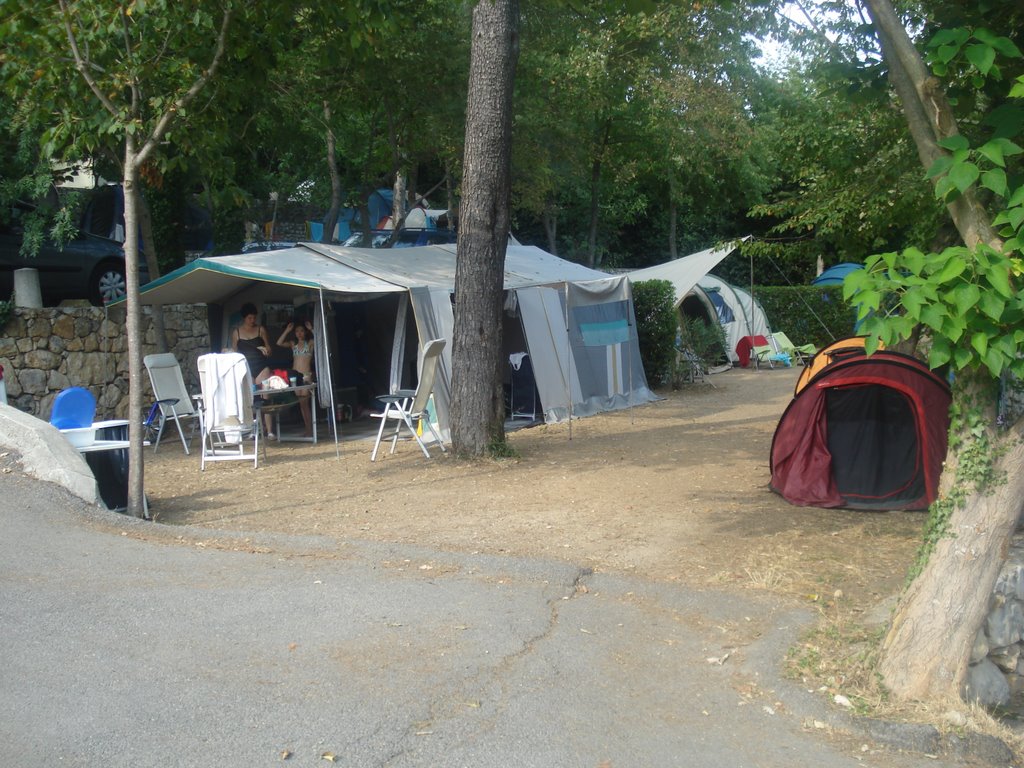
(866, 432)
(739, 313)
(379, 306)
(700, 294)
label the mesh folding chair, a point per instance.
(173, 402)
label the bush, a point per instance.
(808, 314)
(656, 327)
(706, 341)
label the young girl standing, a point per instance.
(302, 361)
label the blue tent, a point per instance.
(835, 274)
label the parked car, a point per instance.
(88, 267)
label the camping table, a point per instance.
(311, 388)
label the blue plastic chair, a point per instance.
(73, 408)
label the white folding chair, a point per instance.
(226, 415)
(173, 402)
(406, 406)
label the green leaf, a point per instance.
(965, 296)
(1003, 45)
(940, 353)
(942, 164)
(953, 143)
(995, 180)
(1005, 346)
(980, 343)
(912, 303)
(991, 305)
(913, 260)
(993, 150)
(933, 316)
(994, 361)
(944, 188)
(1005, 119)
(981, 56)
(867, 301)
(947, 53)
(953, 328)
(999, 278)
(953, 268)
(963, 175)
(962, 357)
(1008, 147)
(957, 36)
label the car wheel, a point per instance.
(108, 283)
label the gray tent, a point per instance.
(699, 293)
(576, 324)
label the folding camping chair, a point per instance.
(173, 402)
(226, 418)
(799, 353)
(406, 406)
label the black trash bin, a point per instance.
(110, 467)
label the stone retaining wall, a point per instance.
(996, 674)
(43, 351)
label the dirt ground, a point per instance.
(673, 491)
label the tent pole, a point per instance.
(330, 379)
(568, 360)
(629, 351)
(750, 325)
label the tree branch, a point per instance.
(182, 101)
(134, 80)
(81, 64)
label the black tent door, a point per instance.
(875, 446)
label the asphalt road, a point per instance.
(126, 643)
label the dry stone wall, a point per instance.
(44, 351)
(996, 673)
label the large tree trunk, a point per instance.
(595, 212)
(926, 652)
(595, 197)
(477, 414)
(550, 220)
(331, 220)
(673, 219)
(133, 325)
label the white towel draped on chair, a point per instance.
(227, 411)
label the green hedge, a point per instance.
(656, 327)
(795, 310)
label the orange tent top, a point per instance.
(834, 351)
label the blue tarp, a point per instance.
(835, 274)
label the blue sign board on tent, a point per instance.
(602, 334)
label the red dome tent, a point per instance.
(866, 432)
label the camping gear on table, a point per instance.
(865, 432)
